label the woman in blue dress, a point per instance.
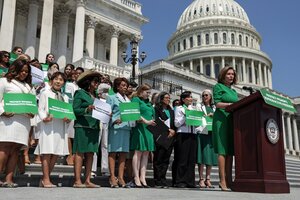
(119, 133)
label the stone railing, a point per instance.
(103, 67)
(132, 5)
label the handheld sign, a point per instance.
(59, 109)
(20, 103)
(193, 117)
(130, 111)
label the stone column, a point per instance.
(100, 38)
(191, 65)
(64, 13)
(244, 70)
(201, 65)
(20, 27)
(289, 131)
(223, 62)
(270, 78)
(1, 9)
(115, 32)
(7, 25)
(260, 75)
(90, 36)
(46, 29)
(32, 28)
(295, 132)
(233, 63)
(253, 77)
(284, 132)
(79, 30)
(265, 76)
(212, 68)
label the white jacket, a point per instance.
(180, 120)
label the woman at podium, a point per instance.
(224, 95)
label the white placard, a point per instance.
(37, 75)
(102, 111)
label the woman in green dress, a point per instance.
(86, 128)
(224, 95)
(205, 151)
(142, 141)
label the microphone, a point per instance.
(250, 89)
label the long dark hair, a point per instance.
(15, 70)
(159, 101)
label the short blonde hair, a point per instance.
(223, 72)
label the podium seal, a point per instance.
(272, 131)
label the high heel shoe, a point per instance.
(41, 184)
(145, 185)
(113, 183)
(136, 185)
(225, 189)
(202, 183)
(121, 183)
(208, 183)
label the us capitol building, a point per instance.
(93, 34)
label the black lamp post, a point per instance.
(134, 59)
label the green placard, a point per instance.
(20, 103)
(193, 117)
(130, 111)
(277, 101)
(13, 57)
(60, 110)
(209, 121)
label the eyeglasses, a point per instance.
(205, 95)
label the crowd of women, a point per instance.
(129, 145)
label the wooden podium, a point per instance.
(259, 161)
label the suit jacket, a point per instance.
(84, 119)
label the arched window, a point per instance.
(216, 38)
(201, 9)
(195, 12)
(224, 38)
(198, 68)
(217, 69)
(240, 40)
(174, 48)
(199, 40)
(191, 42)
(178, 46)
(184, 44)
(247, 42)
(232, 39)
(207, 38)
(207, 69)
(207, 8)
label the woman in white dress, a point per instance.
(53, 141)
(14, 127)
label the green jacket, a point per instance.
(84, 119)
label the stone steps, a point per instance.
(63, 175)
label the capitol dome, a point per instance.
(212, 9)
(211, 34)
